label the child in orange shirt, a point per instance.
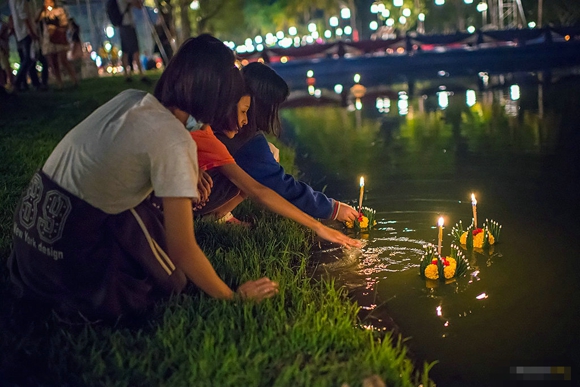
(212, 152)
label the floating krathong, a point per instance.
(435, 267)
(479, 238)
(473, 236)
(366, 219)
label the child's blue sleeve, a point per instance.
(257, 160)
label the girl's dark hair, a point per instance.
(268, 91)
(229, 121)
(199, 79)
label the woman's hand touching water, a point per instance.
(336, 236)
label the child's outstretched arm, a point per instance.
(188, 256)
(274, 202)
(257, 159)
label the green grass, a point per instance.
(309, 335)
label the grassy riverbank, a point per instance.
(308, 335)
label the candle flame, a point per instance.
(440, 223)
(473, 201)
(362, 181)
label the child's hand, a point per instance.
(198, 205)
(204, 185)
(336, 236)
(346, 213)
(258, 290)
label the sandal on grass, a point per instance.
(229, 218)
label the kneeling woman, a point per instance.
(86, 238)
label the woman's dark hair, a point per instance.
(268, 91)
(199, 79)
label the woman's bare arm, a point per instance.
(185, 251)
(187, 256)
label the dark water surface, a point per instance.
(517, 147)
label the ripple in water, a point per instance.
(378, 255)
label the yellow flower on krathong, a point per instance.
(364, 223)
(449, 271)
(432, 272)
(450, 266)
(463, 238)
(478, 240)
(349, 224)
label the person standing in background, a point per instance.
(38, 57)
(75, 52)
(129, 41)
(74, 37)
(54, 23)
(25, 32)
(6, 76)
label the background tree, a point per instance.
(263, 16)
(237, 20)
(200, 16)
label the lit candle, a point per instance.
(474, 207)
(440, 239)
(360, 198)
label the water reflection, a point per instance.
(516, 145)
(453, 122)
